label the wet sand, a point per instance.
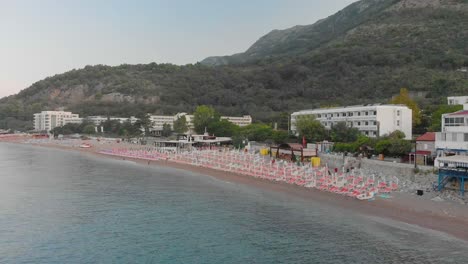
(445, 217)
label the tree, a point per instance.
(202, 117)
(144, 122)
(111, 126)
(342, 133)
(223, 128)
(89, 129)
(180, 125)
(397, 134)
(404, 99)
(256, 132)
(280, 136)
(437, 115)
(166, 130)
(310, 128)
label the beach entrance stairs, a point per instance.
(453, 167)
(447, 175)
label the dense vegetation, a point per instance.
(363, 54)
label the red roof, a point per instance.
(429, 136)
(462, 112)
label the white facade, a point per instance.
(42, 121)
(239, 120)
(72, 120)
(97, 120)
(371, 120)
(48, 120)
(453, 137)
(158, 121)
(457, 100)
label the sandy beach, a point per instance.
(446, 217)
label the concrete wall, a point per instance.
(401, 170)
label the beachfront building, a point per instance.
(425, 149)
(453, 138)
(457, 100)
(48, 120)
(371, 120)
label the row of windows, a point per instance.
(356, 123)
(370, 133)
(345, 114)
(453, 137)
(454, 121)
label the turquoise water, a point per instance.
(66, 207)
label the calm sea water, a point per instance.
(67, 207)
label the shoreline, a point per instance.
(439, 216)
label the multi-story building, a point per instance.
(98, 120)
(457, 100)
(239, 120)
(72, 120)
(48, 120)
(371, 120)
(453, 137)
(159, 121)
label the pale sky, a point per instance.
(41, 38)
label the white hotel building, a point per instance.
(457, 100)
(372, 120)
(48, 120)
(160, 120)
(453, 138)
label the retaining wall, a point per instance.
(401, 170)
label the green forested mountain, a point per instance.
(363, 54)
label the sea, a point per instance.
(59, 206)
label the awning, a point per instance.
(457, 160)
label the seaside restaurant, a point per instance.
(289, 151)
(188, 142)
(453, 170)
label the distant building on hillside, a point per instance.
(48, 120)
(457, 100)
(371, 120)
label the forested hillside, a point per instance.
(363, 54)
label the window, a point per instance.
(465, 137)
(367, 123)
(454, 121)
(375, 123)
(359, 113)
(319, 116)
(398, 122)
(367, 113)
(398, 113)
(358, 123)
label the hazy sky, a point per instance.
(41, 38)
